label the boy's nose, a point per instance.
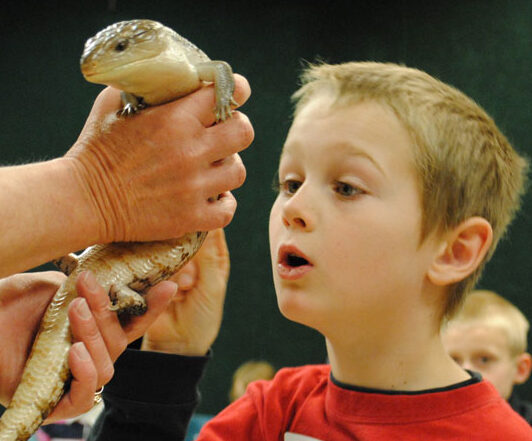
(466, 364)
(295, 221)
(297, 212)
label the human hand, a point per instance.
(98, 337)
(192, 321)
(163, 172)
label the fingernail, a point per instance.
(83, 308)
(90, 281)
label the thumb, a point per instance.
(101, 116)
(107, 101)
(213, 256)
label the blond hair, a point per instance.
(465, 165)
(487, 308)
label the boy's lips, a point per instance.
(292, 264)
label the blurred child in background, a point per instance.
(489, 335)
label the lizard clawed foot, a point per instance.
(126, 301)
(130, 109)
(132, 104)
(222, 112)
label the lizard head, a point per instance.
(111, 52)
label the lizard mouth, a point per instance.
(95, 73)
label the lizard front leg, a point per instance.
(221, 74)
(132, 104)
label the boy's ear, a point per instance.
(462, 251)
(524, 367)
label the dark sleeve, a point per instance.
(151, 397)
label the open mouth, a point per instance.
(292, 263)
(293, 260)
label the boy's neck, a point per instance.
(410, 364)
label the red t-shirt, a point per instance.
(304, 404)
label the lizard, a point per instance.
(150, 64)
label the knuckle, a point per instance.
(221, 216)
(242, 89)
(197, 213)
(240, 171)
(226, 214)
(92, 333)
(245, 131)
(227, 218)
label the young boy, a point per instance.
(394, 190)
(489, 335)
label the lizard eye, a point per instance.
(121, 46)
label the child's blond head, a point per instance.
(248, 372)
(466, 166)
(486, 308)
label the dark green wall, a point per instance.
(482, 47)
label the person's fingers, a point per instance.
(231, 136)
(158, 298)
(232, 165)
(80, 397)
(201, 103)
(85, 329)
(225, 175)
(107, 101)
(218, 211)
(217, 256)
(242, 90)
(186, 277)
(107, 321)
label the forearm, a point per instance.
(46, 213)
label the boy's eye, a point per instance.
(346, 190)
(484, 359)
(290, 186)
(457, 359)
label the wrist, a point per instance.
(87, 214)
(93, 182)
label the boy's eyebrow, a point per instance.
(351, 149)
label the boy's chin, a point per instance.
(299, 312)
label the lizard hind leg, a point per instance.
(127, 302)
(67, 264)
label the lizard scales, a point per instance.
(151, 64)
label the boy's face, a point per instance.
(483, 349)
(345, 227)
